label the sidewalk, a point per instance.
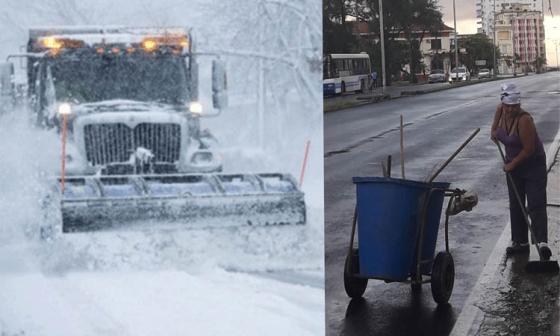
(397, 90)
(509, 301)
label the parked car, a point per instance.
(436, 76)
(459, 74)
(484, 73)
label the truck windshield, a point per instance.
(88, 77)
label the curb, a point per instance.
(404, 94)
(376, 98)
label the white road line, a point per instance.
(552, 149)
(471, 314)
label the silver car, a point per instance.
(436, 76)
(484, 73)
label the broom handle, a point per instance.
(454, 155)
(523, 209)
(351, 247)
(402, 148)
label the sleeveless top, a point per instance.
(512, 141)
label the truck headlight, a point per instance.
(65, 109)
(195, 107)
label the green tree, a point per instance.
(539, 62)
(477, 47)
(411, 18)
(337, 32)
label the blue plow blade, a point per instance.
(92, 203)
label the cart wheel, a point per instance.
(443, 277)
(354, 286)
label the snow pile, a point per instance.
(29, 159)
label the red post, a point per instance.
(304, 163)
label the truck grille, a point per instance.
(114, 143)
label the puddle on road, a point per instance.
(517, 303)
(521, 303)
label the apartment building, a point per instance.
(520, 38)
(486, 9)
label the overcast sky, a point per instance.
(465, 10)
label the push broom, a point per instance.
(537, 266)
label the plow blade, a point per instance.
(193, 200)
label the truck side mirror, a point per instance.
(219, 85)
(7, 86)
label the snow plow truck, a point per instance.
(125, 103)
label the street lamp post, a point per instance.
(382, 39)
(556, 44)
(526, 42)
(456, 44)
(495, 73)
(537, 42)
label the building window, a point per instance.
(503, 35)
(435, 44)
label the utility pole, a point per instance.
(261, 90)
(495, 69)
(382, 39)
(456, 44)
(526, 44)
(556, 45)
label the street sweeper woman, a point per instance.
(525, 161)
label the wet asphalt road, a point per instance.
(358, 139)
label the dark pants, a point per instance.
(530, 180)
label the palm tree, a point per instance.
(539, 62)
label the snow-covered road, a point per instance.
(208, 300)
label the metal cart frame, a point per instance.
(443, 271)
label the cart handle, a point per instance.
(354, 220)
(420, 235)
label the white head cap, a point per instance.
(510, 94)
(508, 87)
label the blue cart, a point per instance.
(397, 222)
